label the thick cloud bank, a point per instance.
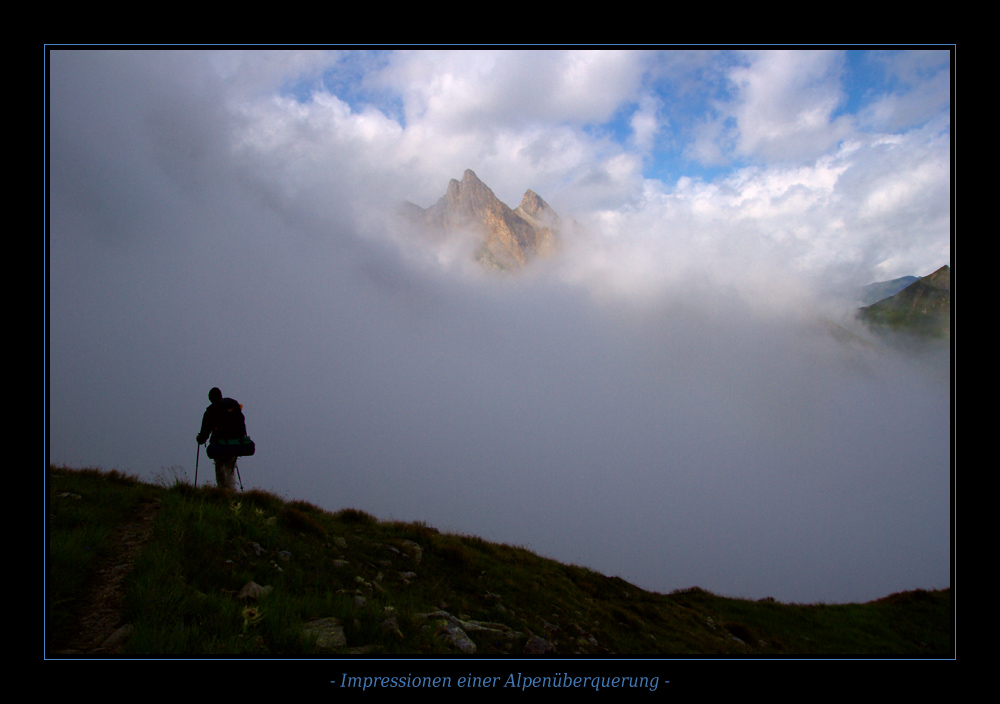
(662, 418)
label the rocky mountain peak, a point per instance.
(469, 186)
(508, 239)
(532, 203)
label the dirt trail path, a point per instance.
(101, 628)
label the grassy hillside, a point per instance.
(873, 293)
(923, 308)
(167, 568)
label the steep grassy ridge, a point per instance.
(255, 574)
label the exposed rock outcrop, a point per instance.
(507, 239)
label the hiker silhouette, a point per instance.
(224, 428)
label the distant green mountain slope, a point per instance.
(873, 293)
(923, 308)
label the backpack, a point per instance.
(230, 422)
(229, 438)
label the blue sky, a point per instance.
(843, 146)
(676, 92)
(225, 218)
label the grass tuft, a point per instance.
(353, 515)
(297, 520)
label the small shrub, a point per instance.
(296, 520)
(479, 544)
(417, 531)
(454, 553)
(169, 477)
(693, 591)
(216, 495)
(117, 477)
(264, 499)
(185, 490)
(305, 506)
(353, 515)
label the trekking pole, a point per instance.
(196, 457)
(237, 466)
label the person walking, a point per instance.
(223, 421)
